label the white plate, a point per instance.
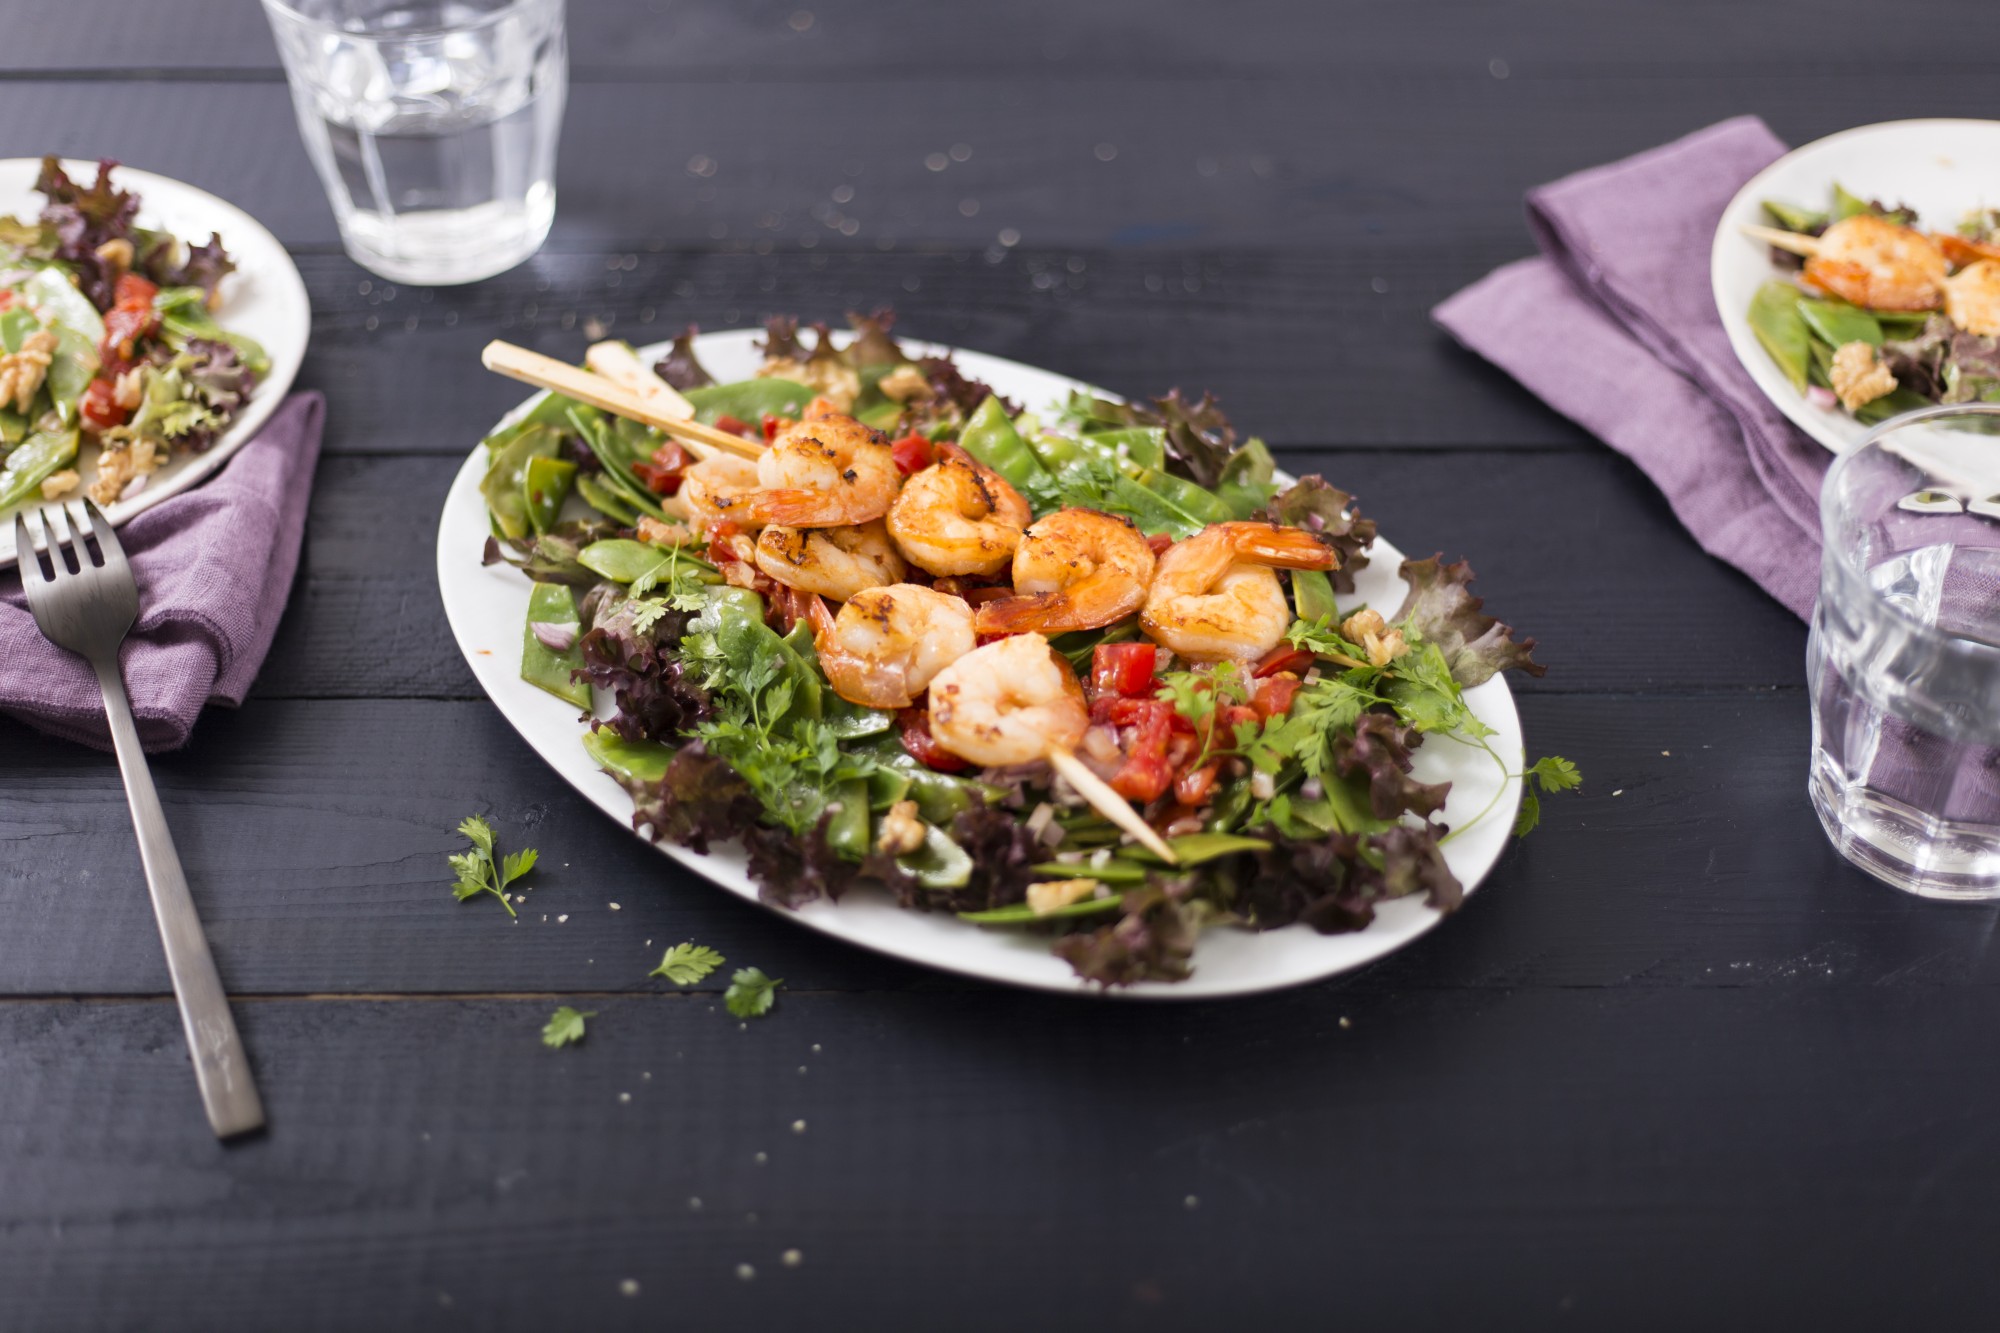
(487, 607)
(265, 299)
(1941, 168)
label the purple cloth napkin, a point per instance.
(1614, 326)
(214, 565)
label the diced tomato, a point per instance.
(772, 425)
(1123, 669)
(672, 456)
(1192, 787)
(1275, 694)
(124, 325)
(1232, 717)
(913, 453)
(734, 425)
(788, 606)
(133, 290)
(6, 298)
(1285, 657)
(914, 727)
(1147, 770)
(98, 408)
(658, 480)
(1159, 541)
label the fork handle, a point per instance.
(227, 1091)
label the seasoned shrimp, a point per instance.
(833, 562)
(712, 490)
(1075, 569)
(1214, 596)
(887, 644)
(828, 471)
(1972, 298)
(958, 517)
(1011, 702)
(1877, 264)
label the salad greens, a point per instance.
(1881, 318)
(106, 337)
(1284, 785)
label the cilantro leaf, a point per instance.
(751, 994)
(1552, 774)
(1530, 816)
(565, 1027)
(475, 869)
(685, 964)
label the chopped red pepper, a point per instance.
(663, 475)
(1147, 770)
(6, 298)
(734, 425)
(913, 453)
(1123, 669)
(1159, 541)
(1192, 787)
(772, 425)
(914, 727)
(1274, 695)
(133, 290)
(1285, 657)
(98, 407)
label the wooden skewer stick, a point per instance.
(545, 372)
(1796, 242)
(617, 362)
(1109, 803)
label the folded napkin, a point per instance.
(214, 566)
(1614, 326)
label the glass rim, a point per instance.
(283, 9)
(1836, 556)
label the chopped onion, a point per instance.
(557, 638)
(1311, 789)
(1101, 743)
(1821, 396)
(1261, 785)
(1182, 827)
(134, 486)
(1039, 820)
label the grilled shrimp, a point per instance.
(1879, 265)
(833, 562)
(1074, 569)
(1972, 298)
(1214, 596)
(1011, 702)
(711, 490)
(887, 644)
(827, 471)
(957, 517)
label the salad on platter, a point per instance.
(1879, 316)
(111, 359)
(1093, 671)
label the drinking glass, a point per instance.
(1904, 658)
(433, 126)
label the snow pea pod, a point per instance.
(605, 500)
(623, 560)
(1245, 485)
(34, 461)
(1094, 480)
(1020, 914)
(548, 482)
(16, 323)
(1312, 595)
(1113, 871)
(553, 604)
(1775, 319)
(590, 426)
(505, 485)
(51, 290)
(71, 369)
(1144, 445)
(628, 761)
(1793, 218)
(1194, 848)
(847, 827)
(940, 863)
(750, 401)
(940, 797)
(1840, 323)
(13, 427)
(991, 438)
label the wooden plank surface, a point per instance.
(1674, 1063)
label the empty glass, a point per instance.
(1904, 658)
(433, 126)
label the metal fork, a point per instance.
(86, 603)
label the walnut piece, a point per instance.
(837, 383)
(21, 372)
(60, 484)
(902, 831)
(1382, 644)
(1858, 378)
(656, 533)
(904, 383)
(1054, 894)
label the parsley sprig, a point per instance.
(685, 964)
(477, 872)
(565, 1027)
(1553, 773)
(751, 994)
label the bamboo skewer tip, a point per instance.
(1109, 803)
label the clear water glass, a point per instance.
(1904, 657)
(433, 126)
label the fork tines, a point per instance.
(62, 532)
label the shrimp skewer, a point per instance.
(887, 644)
(1214, 596)
(1016, 701)
(827, 471)
(1075, 569)
(958, 517)
(1869, 261)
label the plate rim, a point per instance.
(288, 284)
(1497, 704)
(1825, 430)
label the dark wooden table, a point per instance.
(1674, 1062)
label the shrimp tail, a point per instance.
(792, 509)
(1281, 547)
(1042, 611)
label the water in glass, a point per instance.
(433, 127)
